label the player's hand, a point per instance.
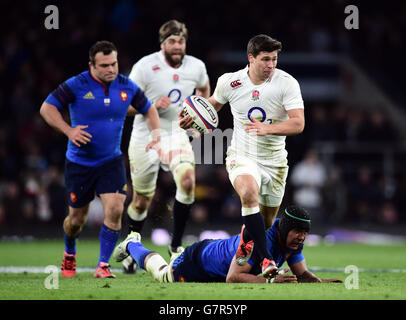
(163, 103)
(185, 122)
(256, 128)
(155, 143)
(285, 278)
(78, 136)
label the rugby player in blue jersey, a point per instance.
(211, 260)
(98, 101)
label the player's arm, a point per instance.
(304, 275)
(204, 91)
(293, 126)
(154, 126)
(301, 272)
(54, 118)
(240, 274)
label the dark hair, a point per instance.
(262, 42)
(293, 217)
(172, 27)
(104, 46)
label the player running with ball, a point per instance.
(267, 106)
(167, 78)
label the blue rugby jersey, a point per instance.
(103, 108)
(217, 256)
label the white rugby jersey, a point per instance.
(157, 79)
(267, 102)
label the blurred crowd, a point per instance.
(342, 186)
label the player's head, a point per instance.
(172, 36)
(103, 61)
(294, 225)
(262, 51)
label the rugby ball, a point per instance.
(202, 111)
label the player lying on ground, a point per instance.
(214, 260)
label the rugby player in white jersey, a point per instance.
(267, 106)
(167, 77)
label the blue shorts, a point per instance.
(83, 183)
(188, 266)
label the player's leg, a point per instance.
(111, 186)
(272, 192)
(72, 226)
(79, 181)
(181, 162)
(184, 177)
(148, 260)
(137, 211)
(269, 214)
(247, 188)
(144, 168)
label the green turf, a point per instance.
(372, 285)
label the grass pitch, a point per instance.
(382, 276)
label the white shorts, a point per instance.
(145, 166)
(270, 174)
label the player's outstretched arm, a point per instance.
(154, 126)
(240, 274)
(304, 275)
(54, 118)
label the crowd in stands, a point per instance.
(353, 188)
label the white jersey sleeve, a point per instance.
(203, 76)
(292, 97)
(137, 75)
(221, 91)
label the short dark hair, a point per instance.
(104, 46)
(262, 42)
(172, 27)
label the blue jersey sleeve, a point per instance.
(140, 102)
(63, 95)
(295, 258)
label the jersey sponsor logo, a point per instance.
(123, 96)
(89, 95)
(174, 95)
(155, 68)
(235, 84)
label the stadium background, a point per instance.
(351, 82)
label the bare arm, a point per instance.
(293, 126)
(154, 125)
(54, 118)
(302, 274)
(239, 274)
(204, 91)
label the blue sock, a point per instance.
(108, 239)
(138, 252)
(70, 244)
